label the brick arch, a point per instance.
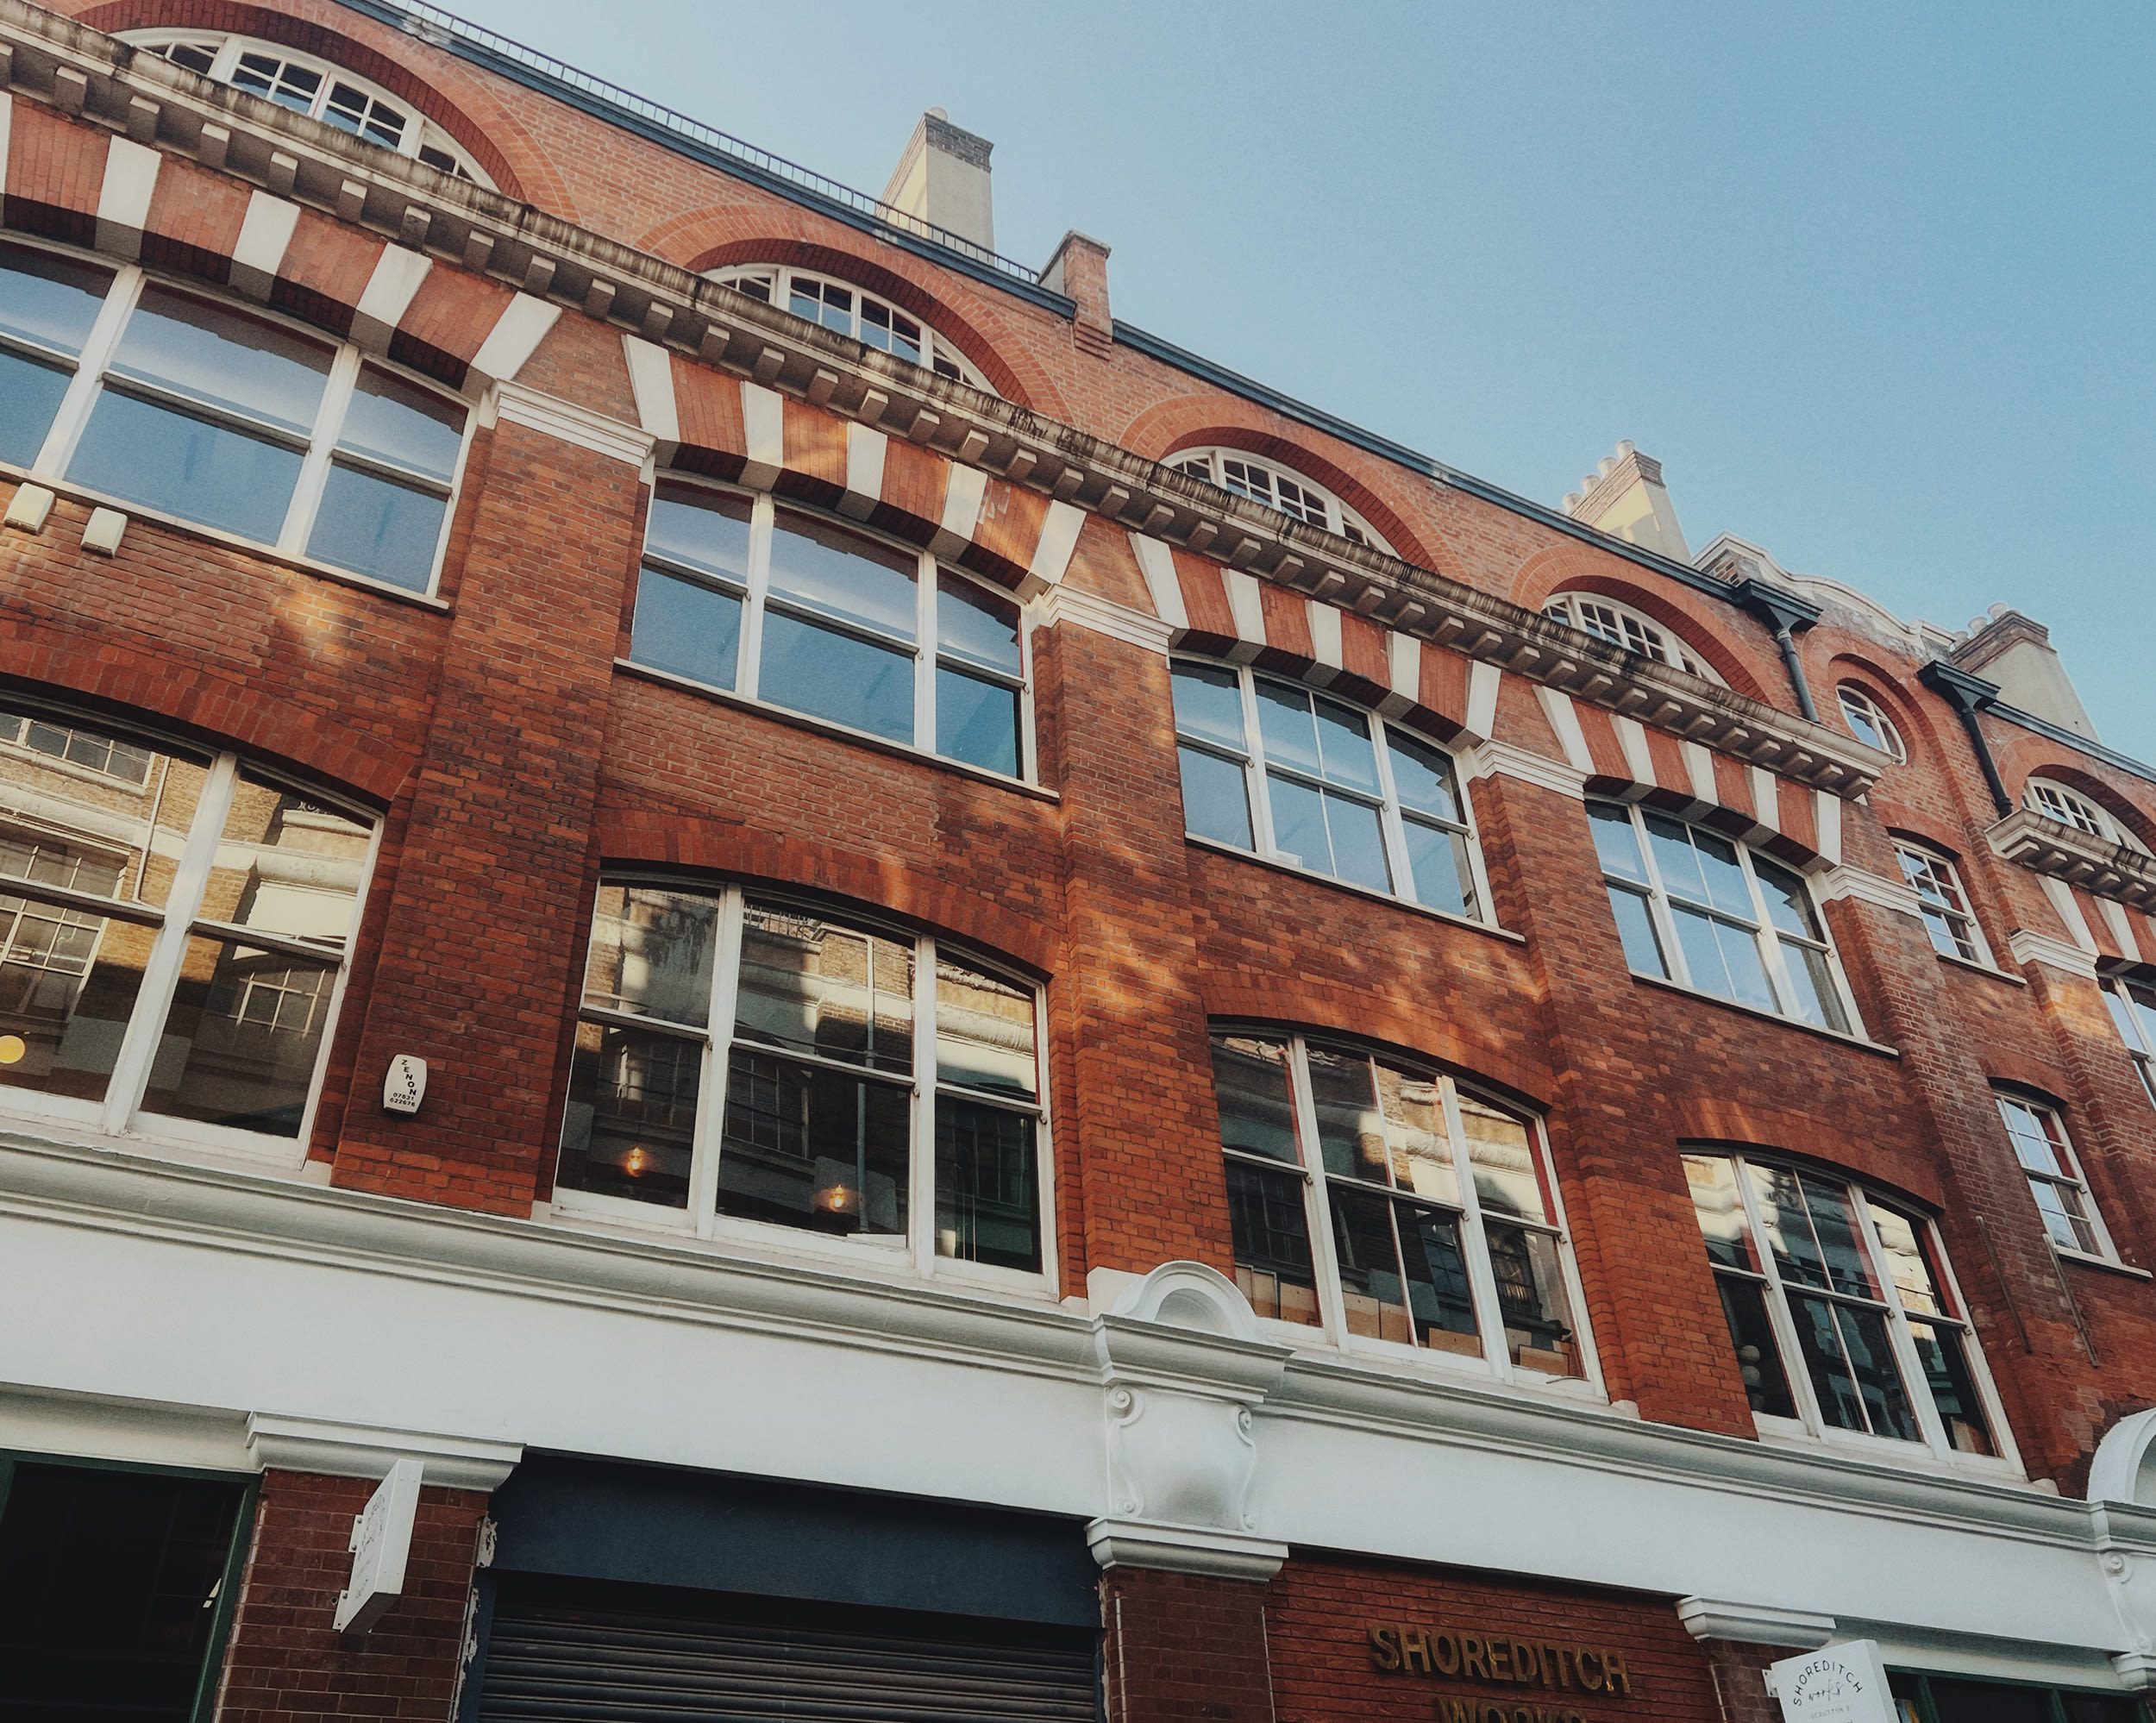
(1326, 1007)
(228, 18)
(135, 687)
(2082, 782)
(1206, 421)
(1576, 568)
(1912, 717)
(722, 847)
(1750, 1126)
(2034, 1079)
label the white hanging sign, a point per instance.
(405, 1085)
(1844, 1684)
(381, 1544)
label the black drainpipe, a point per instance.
(1783, 613)
(1968, 695)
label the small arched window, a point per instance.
(1289, 492)
(317, 88)
(1620, 625)
(838, 304)
(1869, 725)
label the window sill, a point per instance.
(262, 553)
(1996, 974)
(2081, 1259)
(1837, 1034)
(1886, 1450)
(1326, 879)
(818, 726)
(242, 1151)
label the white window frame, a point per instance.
(754, 598)
(1951, 906)
(1763, 930)
(1858, 709)
(2076, 1178)
(1338, 518)
(1629, 629)
(120, 1116)
(1809, 1425)
(912, 1253)
(319, 447)
(224, 50)
(2133, 1005)
(1392, 820)
(2052, 799)
(1496, 1361)
(938, 351)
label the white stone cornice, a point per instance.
(2050, 847)
(556, 418)
(1753, 1623)
(361, 1450)
(1847, 881)
(1183, 1550)
(1087, 609)
(1491, 759)
(2058, 953)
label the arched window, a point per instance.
(167, 402)
(1842, 1311)
(2055, 801)
(838, 304)
(1702, 909)
(753, 1067)
(1382, 1202)
(1277, 488)
(1273, 765)
(1622, 626)
(174, 935)
(317, 88)
(1869, 725)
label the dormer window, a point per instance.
(1619, 625)
(313, 87)
(838, 304)
(1289, 492)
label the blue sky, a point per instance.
(1878, 285)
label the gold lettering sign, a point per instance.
(1443, 1653)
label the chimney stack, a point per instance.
(942, 180)
(2007, 648)
(1625, 497)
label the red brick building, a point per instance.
(881, 999)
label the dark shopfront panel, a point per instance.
(1947, 1698)
(623, 1592)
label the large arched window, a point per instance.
(1232, 469)
(317, 88)
(1273, 767)
(1383, 1203)
(1622, 626)
(165, 401)
(838, 304)
(2055, 801)
(754, 1068)
(174, 935)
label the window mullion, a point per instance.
(1767, 936)
(711, 1122)
(925, 583)
(1253, 767)
(314, 471)
(227, 60)
(1659, 908)
(1490, 1316)
(1324, 1260)
(58, 447)
(1390, 818)
(921, 1156)
(763, 517)
(1780, 1318)
(1914, 1383)
(1971, 1347)
(160, 974)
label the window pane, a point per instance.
(1422, 777)
(817, 988)
(1299, 827)
(1818, 1344)
(629, 1127)
(1437, 1288)
(1788, 1226)
(833, 571)
(974, 622)
(700, 529)
(1216, 798)
(1788, 902)
(1617, 842)
(1343, 740)
(652, 953)
(375, 527)
(812, 1148)
(399, 421)
(1899, 1239)
(1950, 934)
(1500, 1154)
(1415, 1134)
(1250, 1082)
(1209, 703)
(2064, 1218)
(1270, 1224)
(1886, 1403)
(2037, 1139)
(1970, 1701)
(51, 301)
(2131, 1026)
(1358, 843)
(1532, 1300)
(1724, 874)
(977, 722)
(1848, 1263)
(287, 865)
(165, 461)
(224, 359)
(68, 985)
(1722, 959)
(1758, 1355)
(239, 1045)
(1371, 1285)
(1671, 841)
(1351, 1129)
(1812, 980)
(29, 395)
(1721, 1212)
(687, 627)
(1636, 932)
(1284, 720)
(984, 1032)
(1942, 1355)
(987, 1199)
(1443, 876)
(837, 676)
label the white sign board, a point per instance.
(1836, 1684)
(405, 1085)
(381, 1544)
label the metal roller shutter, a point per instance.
(617, 1654)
